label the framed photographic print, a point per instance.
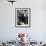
(22, 17)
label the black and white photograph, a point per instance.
(22, 17)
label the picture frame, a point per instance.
(22, 17)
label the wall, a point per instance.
(8, 31)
